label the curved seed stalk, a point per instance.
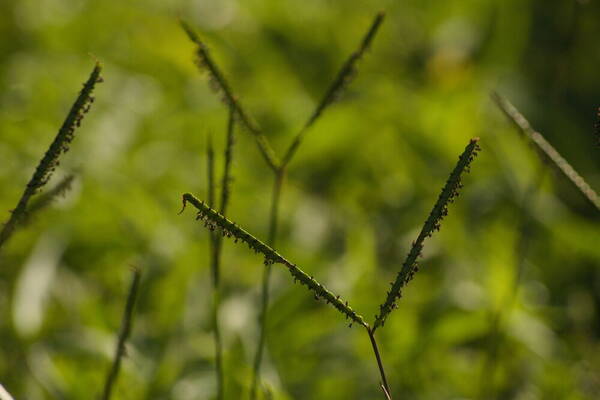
(432, 224)
(220, 84)
(50, 161)
(340, 82)
(213, 220)
(546, 151)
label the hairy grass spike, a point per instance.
(219, 83)
(126, 325)
(50, 161)
(432, 224)
(215, 221)
(342, 79)
(546, 151)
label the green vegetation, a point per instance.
(373, 114)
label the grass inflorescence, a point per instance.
(214, 221)
(546, 151)
(432, 224)
(221, 86)
(279, 168)
(50, 160)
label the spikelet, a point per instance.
(222, 87)
(216, 222)
(545, 150)
(339, 83)
(432, 224)
(60, 145)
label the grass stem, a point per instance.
(384, 383)
(126, 326)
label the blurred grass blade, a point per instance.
(4, 395)
(213, 220)
(598, 127)
(432, 224)
(50, 160)
(219, 82)
(546, 151)
(342, 79)
(125, 331)
(47, 198)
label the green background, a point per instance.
(357, 193)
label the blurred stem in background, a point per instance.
(216, 242)
(500, 315)
(125, 331)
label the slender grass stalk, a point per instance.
(219, 83)
(126, 325)
(45, 199)
(384, 383)
(4, 395)
(215, 221)
(432, 224)
(546, 151)
(50, 160)
(216, 243)
(266, 281)
(337, 86)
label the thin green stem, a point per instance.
(126, 326)
(384, 383)
(50, 161)
(213, 247)
(545, 150)
(266, 279)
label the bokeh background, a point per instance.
(357, 193)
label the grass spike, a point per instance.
(546, 151)
(218, 81)
(124, 333)
(432, 224)
(50, 160)
(215, 221)
(337, 86)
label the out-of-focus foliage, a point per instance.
(357, 193)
